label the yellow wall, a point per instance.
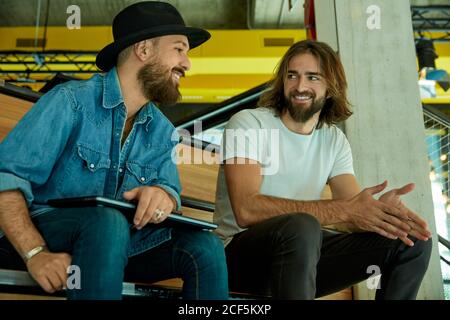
(231, 62)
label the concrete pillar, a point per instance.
(375, 41)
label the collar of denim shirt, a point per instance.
(112, 97)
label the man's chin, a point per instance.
(171, 101)
(302, 116)
(304, 107)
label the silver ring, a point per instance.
(159, 213)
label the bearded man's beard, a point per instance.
(157, 84)
(303, 114)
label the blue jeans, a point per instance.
(98, 239)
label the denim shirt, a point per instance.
(69, 145)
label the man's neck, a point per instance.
(131, 91)
(304, 128)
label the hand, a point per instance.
(419, 227)
(50, 270)
(369, 214)
(150, 199)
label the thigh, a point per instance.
(249, 257)
(348, 258)
(59, 227)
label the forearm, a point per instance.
(261, 207)
(16, 223)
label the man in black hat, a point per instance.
(105, 136)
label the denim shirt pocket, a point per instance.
(138, 175)
(85, 174)
(93, 160)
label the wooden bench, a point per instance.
(198, 181)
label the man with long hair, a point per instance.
(273, 224)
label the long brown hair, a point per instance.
(336, 108)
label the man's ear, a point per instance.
(142, 50)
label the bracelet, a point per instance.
(30, 254)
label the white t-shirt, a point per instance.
(294, 166)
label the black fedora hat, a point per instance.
(145, 20)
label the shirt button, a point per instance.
(142, 179)
(120, 170)
(92, 166)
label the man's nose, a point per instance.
(301, 83)
(186, 63)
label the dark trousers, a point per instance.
(292, 257)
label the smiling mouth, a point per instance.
(177, 74)
(302, 97)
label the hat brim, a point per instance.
(106, 58)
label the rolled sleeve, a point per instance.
(9, 181)
(172, 192)
(30, 150)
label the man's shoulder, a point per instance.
(331, 133)
(78, 88)
(95, 82)
(331, 129)
(252, 118)
(78, 92)
(257, 113)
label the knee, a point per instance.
(206, 243)
(108, 225)
(301, 230)
(423, 251)
(204, 248)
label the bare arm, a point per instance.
(344, 187)
(250, 207)
(48, 269)
(16, 223)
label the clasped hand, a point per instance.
(388, 216)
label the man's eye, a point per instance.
(314, 78)
(291, 76)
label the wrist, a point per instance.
(171, 197)
(33, 252)
(344, 209)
